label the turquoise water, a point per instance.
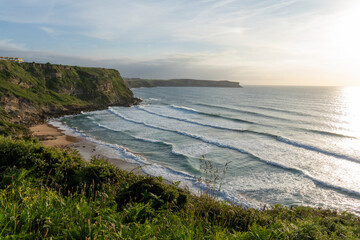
(287, 145)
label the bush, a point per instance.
(100, 172)
(153, 190)
(55, 165)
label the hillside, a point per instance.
(32, 92)
(138, 82)
(48, 193)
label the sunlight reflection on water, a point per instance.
(351, 110)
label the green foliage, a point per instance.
(13, 130)
(152, 190)
(4, 115)
(46, 193)
(60, 166)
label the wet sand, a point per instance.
(51, 136)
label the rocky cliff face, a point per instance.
(32, 92)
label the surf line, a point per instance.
(208, 125)
(111, 110)
(293, 170)
(188, 121)
(141, 138)
(278, 138)
(193, 111)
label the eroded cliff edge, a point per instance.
(33, 92)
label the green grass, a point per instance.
(18, 80)
(13, 130)
(4, 115)
(47, 193)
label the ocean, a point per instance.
(283, 145)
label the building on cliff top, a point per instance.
(12, 59)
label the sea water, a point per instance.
(283, 145)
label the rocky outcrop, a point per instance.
(138, 82)
(31, 92)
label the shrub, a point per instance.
(55, 165)
(153, 190)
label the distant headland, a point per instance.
(148, 83)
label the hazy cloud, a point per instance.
(10, 44)
(257, 41)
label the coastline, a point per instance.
(51, 136)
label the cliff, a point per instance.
(137, 83)
(33, 92)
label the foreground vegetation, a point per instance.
(47, 193)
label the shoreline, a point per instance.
(51, 136)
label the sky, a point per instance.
(254, 42)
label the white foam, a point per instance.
(140, 138)
(189, 121)
(182, 108)
(201, 138)
(316, 149)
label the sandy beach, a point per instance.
(51, 136)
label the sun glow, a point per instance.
(351, 110)
(342, 40)
(348, 122)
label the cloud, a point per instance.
(165, 67)
(216, 22)
(50, 31)
(259, 41)
(10, 44)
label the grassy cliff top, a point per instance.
(59, 85)
(30, 90)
